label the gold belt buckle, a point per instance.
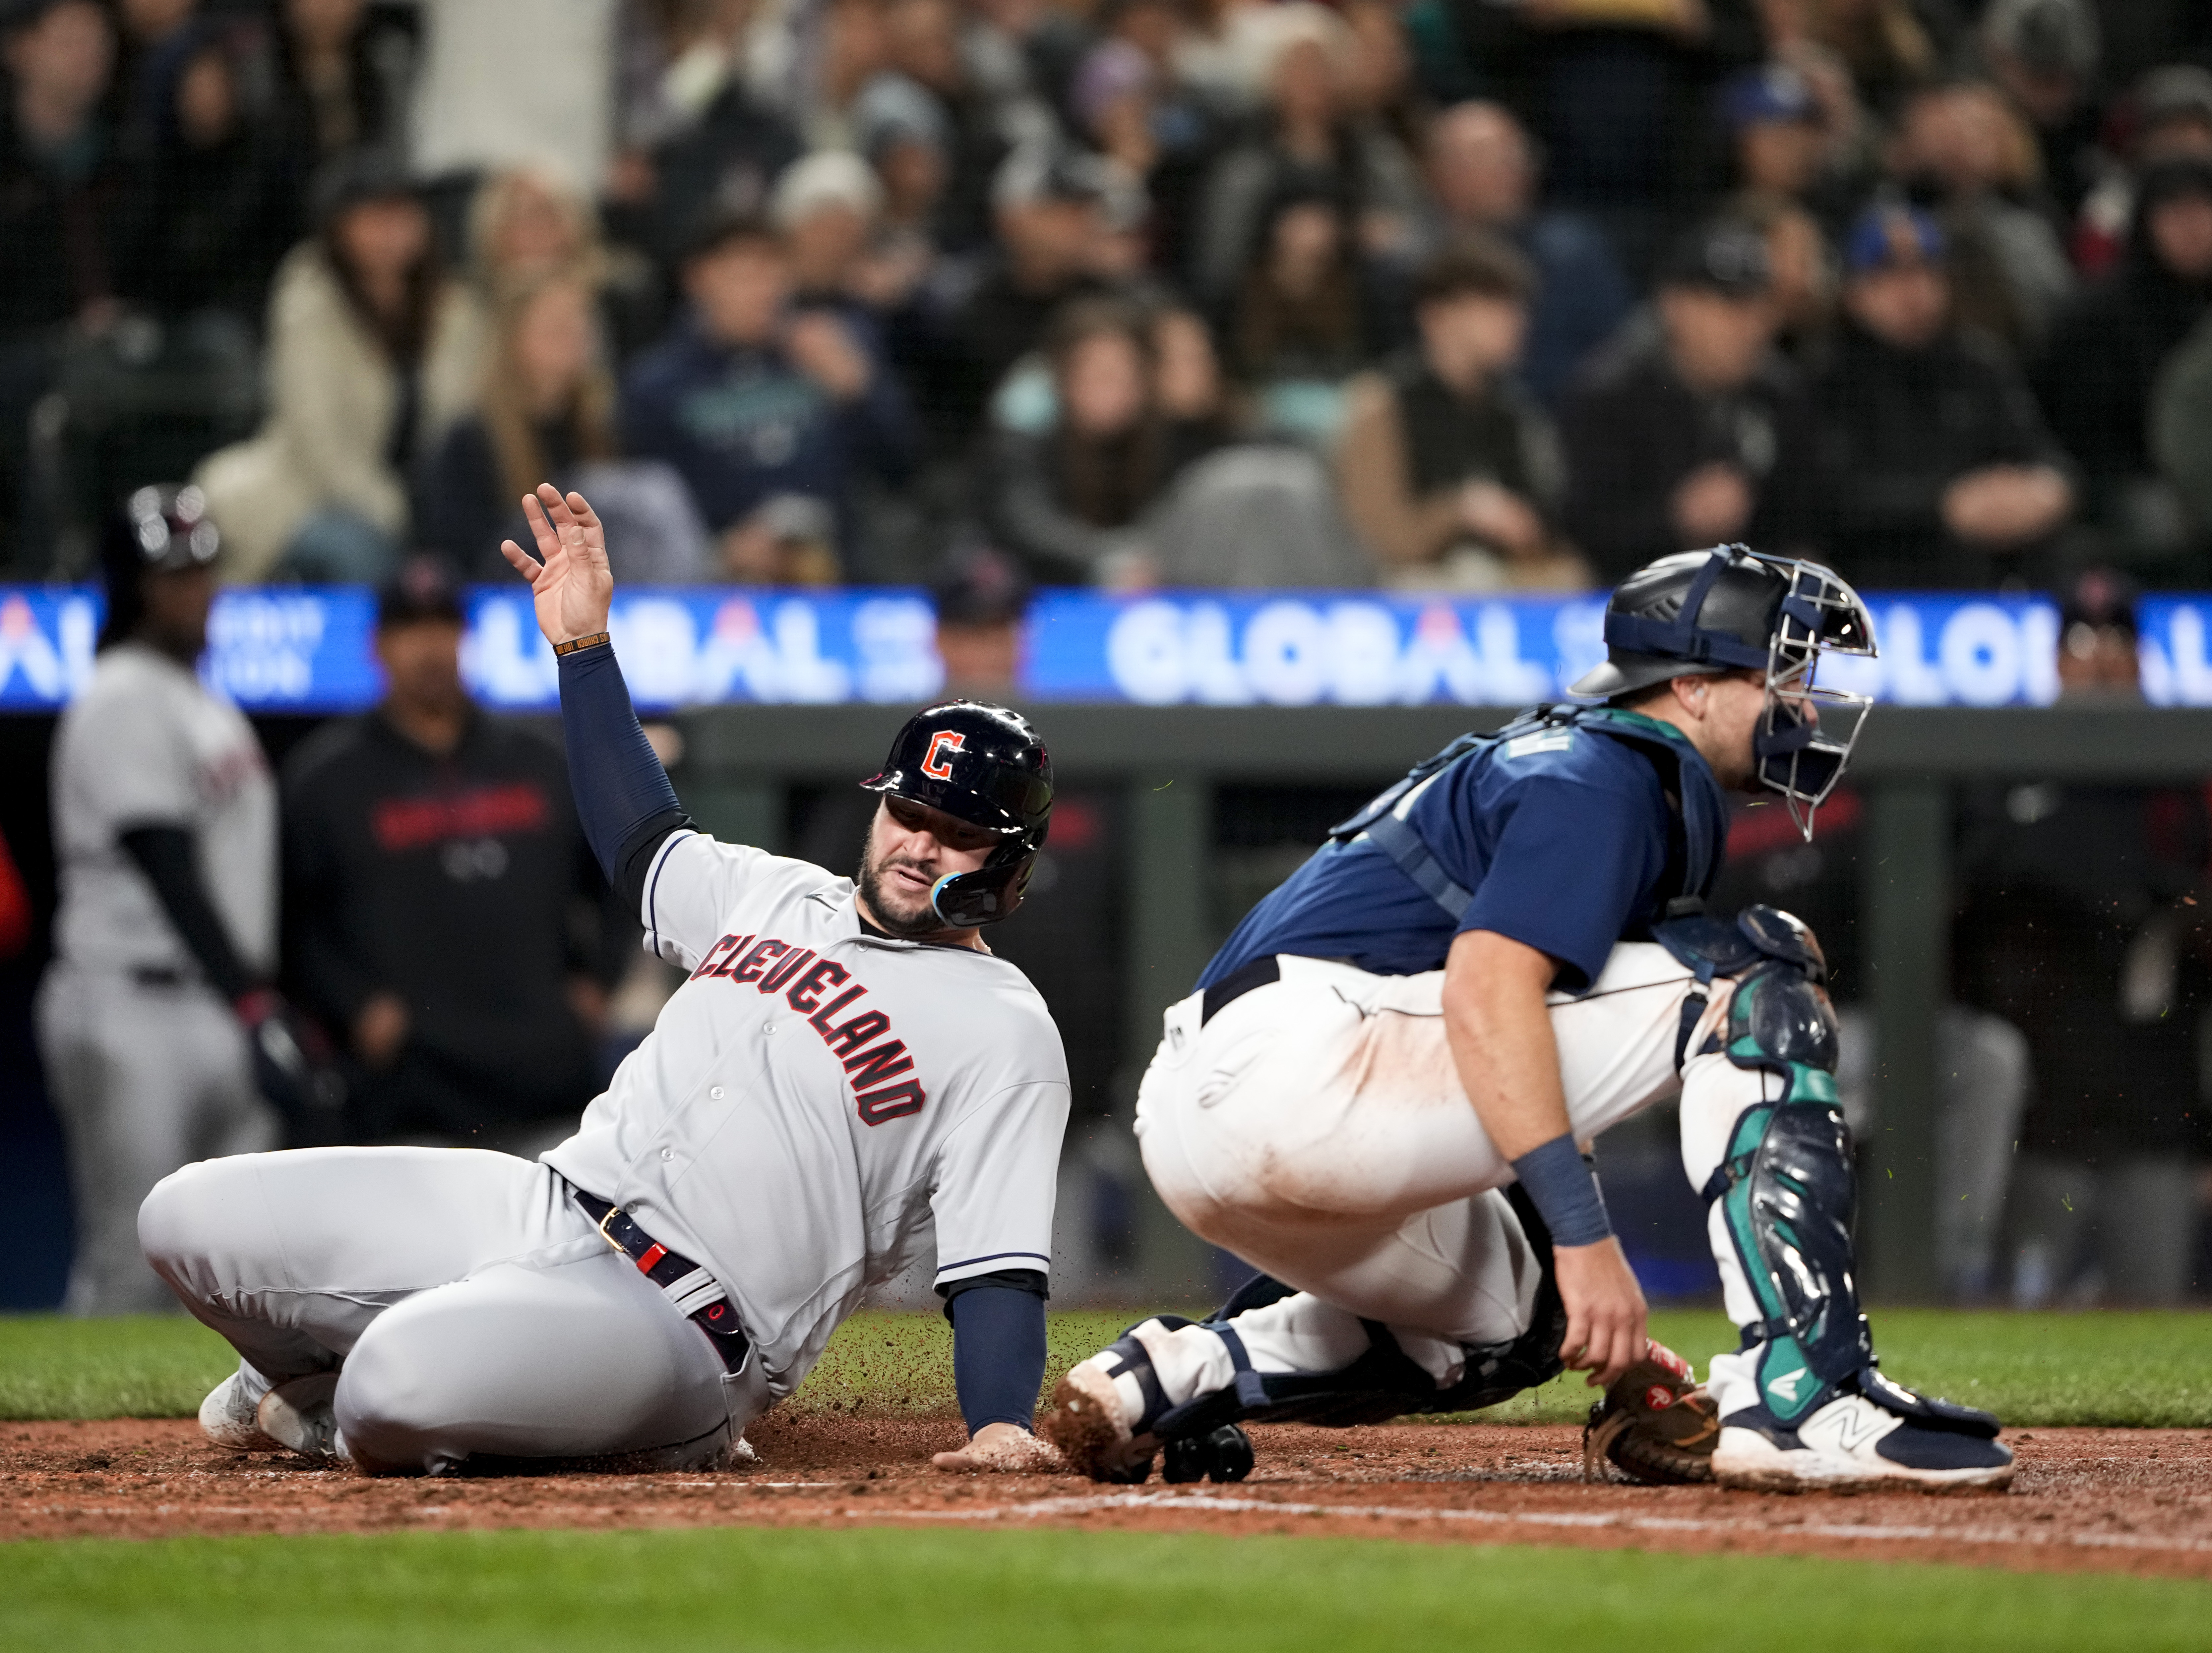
(613, 1211)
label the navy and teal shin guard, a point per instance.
(1786, 1187)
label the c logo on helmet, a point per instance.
(947, 741)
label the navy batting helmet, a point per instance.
(159, 529)
(983, 765)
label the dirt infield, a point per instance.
(2133, 1501)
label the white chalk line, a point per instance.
(1873, 1532)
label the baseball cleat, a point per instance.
(1101, 1414)
(1863, 1433)
(229, 1417)
(299, 1415)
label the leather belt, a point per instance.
(667, 1269)
(1238, 982)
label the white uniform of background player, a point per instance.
(819, 1105)
(148, 1064)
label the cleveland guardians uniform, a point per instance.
(822, 1102)
(1308, 1111)
(156, 777)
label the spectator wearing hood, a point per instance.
(1952, 479)
(2106, 354)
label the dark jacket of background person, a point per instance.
(462, 506)
(2181, 424)
(1898, 427)
(209, 212)
(1410, 442)
(741, 423)
(2076, 931)
(2104, 354)
(1064, 507)
(966, 340)
(1633, 431)
(456, 883)
(354, 95)
(727, 160)
(58, 223)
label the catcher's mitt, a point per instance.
(1655, 1423)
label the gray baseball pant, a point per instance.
(469, 1307)
(145, 1078)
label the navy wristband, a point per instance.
(1564, 1188)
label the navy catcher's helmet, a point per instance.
(1730, 609)
(983, 765)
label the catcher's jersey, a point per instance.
(818, 1103)
(148, 744)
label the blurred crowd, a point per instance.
(1457, 294)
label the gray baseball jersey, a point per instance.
(148, 744)
(817, 1104)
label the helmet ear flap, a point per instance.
(992, 892)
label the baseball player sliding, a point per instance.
(847, 1073)
(1383, 1093)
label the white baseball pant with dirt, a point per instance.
(470, 1308)
(1317, 1128)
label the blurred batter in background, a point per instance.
(165, 828)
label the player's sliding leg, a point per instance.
(300, 1259)
(1802, 1403)
(541, 1362)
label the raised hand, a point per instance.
(571, 586)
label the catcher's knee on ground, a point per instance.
(583, 1360)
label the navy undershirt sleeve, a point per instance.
(1569, 870)
(624, 798)
(170, 861)
(998, 1353)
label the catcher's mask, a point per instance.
(1733, 609)
(983, 765)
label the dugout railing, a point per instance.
(741, 764)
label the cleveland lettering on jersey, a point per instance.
(772, 966)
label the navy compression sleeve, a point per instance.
(170, 861)
(998, 1353)
(623, 799)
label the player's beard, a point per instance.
(877, 898)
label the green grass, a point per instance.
(967, 1589)
(2147, 1369)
